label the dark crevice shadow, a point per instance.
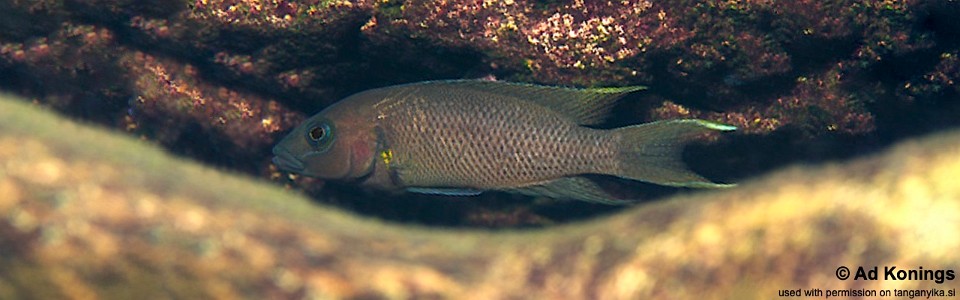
(735, 158)
(488, 210)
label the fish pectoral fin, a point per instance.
(571, 188)
(444, 191)
(589, 106)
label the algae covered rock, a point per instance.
(220, 81)
(833, 66)
(89, 214)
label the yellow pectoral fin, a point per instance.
(393, 162)
(394, 166)
(387, 156)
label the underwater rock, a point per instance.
(220, 81)
(85, 213)
(756, 65)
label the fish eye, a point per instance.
(320, 135)
(317, 132)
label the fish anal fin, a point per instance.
(571, 188)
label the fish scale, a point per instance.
(485, 141)
(464, 137)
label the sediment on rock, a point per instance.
(86, 213)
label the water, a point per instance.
(221, 89)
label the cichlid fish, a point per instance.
(464, 137)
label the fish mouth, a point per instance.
(286, 161)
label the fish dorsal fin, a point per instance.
(589, 106)
(571, 188)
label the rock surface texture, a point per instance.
(88, 214)
(220, 81)
(118, 218)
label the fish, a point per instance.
(466, 137)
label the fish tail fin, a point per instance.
(652, 152)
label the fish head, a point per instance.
(337, 143)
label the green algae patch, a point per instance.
(85, 213)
